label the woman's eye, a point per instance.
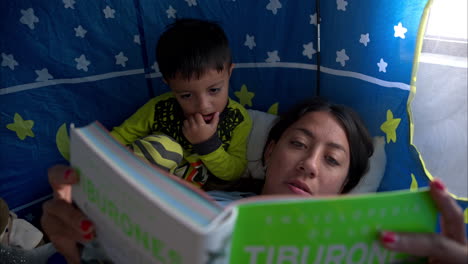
(298, 144)
(185, 96)
(332, 161)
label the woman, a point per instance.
(316, 149)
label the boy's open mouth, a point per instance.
(208, 118)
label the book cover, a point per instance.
(144, 215)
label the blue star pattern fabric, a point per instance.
(73, 61)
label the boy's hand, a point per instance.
(196, 130)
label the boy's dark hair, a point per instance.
(189, 47)
(359, 139)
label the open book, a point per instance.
(143, 215)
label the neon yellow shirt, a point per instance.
(224, 155)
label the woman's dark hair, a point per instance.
(189, 47)
(360, 141)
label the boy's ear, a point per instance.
(231, 68)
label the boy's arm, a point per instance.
(137, 125)
(230, 165)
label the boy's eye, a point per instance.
(214, 90)
(185, 96)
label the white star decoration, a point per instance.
(155, 67)
(29, 18)
(136, 39)
(273, 56)
(108, 12)
(382, 65)
(341, 5)
(364, 39)
(9, 61)
(309, 50)
(341, 57)
(400, 30)
(191, 2)
(82, 63)
(69, 4)
(171, 12)
(80, 31)
(120, 59)
(29, 217)
(43, 75)
(313, 19)
(273, 6)
(250, 41)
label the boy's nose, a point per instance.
(203, 105)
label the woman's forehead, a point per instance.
(323, 124)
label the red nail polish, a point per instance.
(67, 174)
(439, 185)
(88, 236)
(85, 225)
(389, 237)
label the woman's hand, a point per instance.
(64, 224)
(450, 246)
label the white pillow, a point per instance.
(261, 124)
(371, 180)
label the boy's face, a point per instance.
(205, 96)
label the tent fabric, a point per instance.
(73, 61)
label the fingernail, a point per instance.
(85, 225)
(389, 237)
(88, 236)
(439, 185)
(67, 174)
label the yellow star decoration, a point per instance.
(245, 97)
(23, 128)
(390, 126)
(63, 141)
(414, 183)
(273, 109)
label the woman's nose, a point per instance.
(309, 164)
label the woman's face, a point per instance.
(311, 158)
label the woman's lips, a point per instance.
(298, 188)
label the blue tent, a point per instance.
(75, 62)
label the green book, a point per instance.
(344, 229)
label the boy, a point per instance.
(195, 61)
